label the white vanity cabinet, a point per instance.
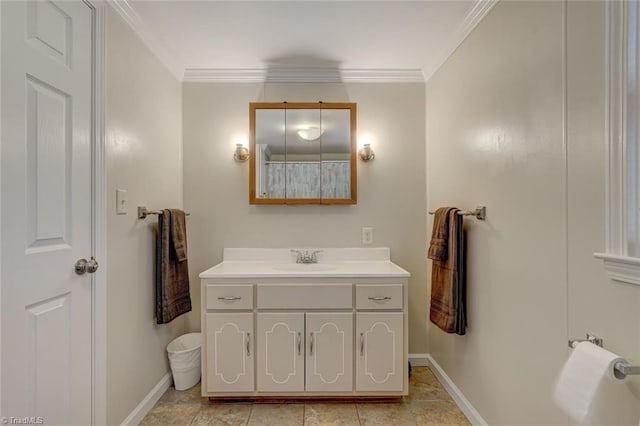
(380, 332)
(289, 332)
(305, 352)
(228, 338)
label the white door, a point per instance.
(379, 344)
(329, 351)
(46, 178)
(230, 352)
(280, 352)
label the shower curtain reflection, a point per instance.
(303, 179)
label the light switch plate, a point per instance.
(121, 201)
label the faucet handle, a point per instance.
(298, 255)
(314, 258)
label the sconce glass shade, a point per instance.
(241, 154)
(366, 153)
(310, 133)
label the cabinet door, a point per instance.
(230, 352)
(379, 342)
(280, 352)
(329, 351)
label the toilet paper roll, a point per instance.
(581, 376)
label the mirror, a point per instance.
(302, 153)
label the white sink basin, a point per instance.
(305, 267)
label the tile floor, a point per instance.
(427, 404)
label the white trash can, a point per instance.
(184, 358)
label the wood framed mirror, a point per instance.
(302, 153)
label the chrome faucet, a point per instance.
(306, 257)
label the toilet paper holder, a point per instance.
(623, 367)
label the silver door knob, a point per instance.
(86, 266)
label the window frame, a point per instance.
(622, 256)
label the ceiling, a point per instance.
(244, 40)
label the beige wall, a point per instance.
(144, 132)
(391, 189)
(497, 135)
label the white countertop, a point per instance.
(281, 263)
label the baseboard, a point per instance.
(419, 360)
(148, 402)
(465, 406)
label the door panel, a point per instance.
(280, 352)
(379, 359)
(48, 169)
(46, 198)
(230, 352)
(330, 351)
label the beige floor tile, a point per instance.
(432, 413)
(188, 396)
(223, 414)
(423, 386)
(422, 374)
(169, 414)
(385, 414)
(277, 414)
(330, 415)
(427, 404)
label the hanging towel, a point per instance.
(440, 235)
(172, 271)
(179, 234)
(448, 287)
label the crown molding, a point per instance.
(302, 75)
(131, 17)
(478, 10)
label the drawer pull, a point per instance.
(379, 298)
(311, 344)
(248, 344)
(229, 298)
(299, 342)
(361, 344)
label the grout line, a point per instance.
(250, 413)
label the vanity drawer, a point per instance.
(228, 297)
(378, 296)
(305, 296)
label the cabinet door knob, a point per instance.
(248, 344)
(311, 343)
(361, 344)
(299, 343)
(379, 298)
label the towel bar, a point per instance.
(623, 367)
(143, 212)
(480, 213)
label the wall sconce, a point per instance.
(366, 153)
(241, 154)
